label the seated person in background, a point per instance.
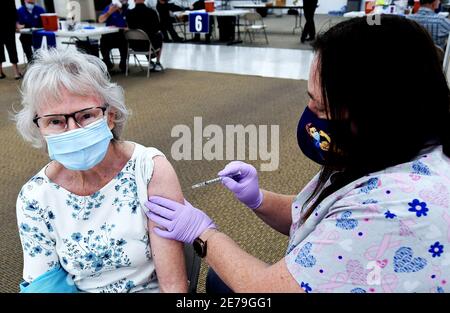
(198, 5)
(29, 16)
(438, 26)
(84, 210)
(146, 19)
(114, 15)
(164, 9)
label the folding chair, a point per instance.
(254, 23)
(180, 24)
(135, 37)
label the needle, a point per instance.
(210, 182)
(207, 182)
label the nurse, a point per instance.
(376, 218)
(29, 17)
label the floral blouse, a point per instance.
(386, 232)
(101, 239)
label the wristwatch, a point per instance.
(200, 247)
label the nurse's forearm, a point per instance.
(219, 249)
(275, 211)
(243, 272)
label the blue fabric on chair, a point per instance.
(54, 281)
(37, 39)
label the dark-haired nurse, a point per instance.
(376, 218)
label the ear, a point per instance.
(111, 118)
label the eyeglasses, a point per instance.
(57, 123)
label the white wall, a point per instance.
(330, 5)
(87, 8)
(324, 5)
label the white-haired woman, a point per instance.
(83, 209)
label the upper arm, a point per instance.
(171, 275)
(20, 17)
(164, 181)
(38, 245)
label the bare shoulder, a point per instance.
(164, 181)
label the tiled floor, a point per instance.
(267, 62)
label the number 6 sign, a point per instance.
(199, 22)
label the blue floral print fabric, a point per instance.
(101, 240)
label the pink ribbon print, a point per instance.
(446, 218)
(376, 252)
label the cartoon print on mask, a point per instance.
(320, 138)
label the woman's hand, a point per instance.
(181, 222)
(242, 179)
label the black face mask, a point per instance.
(124, 6)
(313, 136)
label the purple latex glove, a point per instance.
(182, 222)
(242, 179)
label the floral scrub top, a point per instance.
(101, 240)
(386, 232)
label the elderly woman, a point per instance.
(83, 209)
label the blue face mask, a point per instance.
(313, 136)
(80, 149)
(29, 6)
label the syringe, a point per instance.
(207, 182)
(211, 182)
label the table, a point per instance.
(298, 17)
(220, 13)
(28, 31)
(236, 13)
(75, 35)
(84, 33)
(353, 14)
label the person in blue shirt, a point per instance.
(29, 16)
(114, 15)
